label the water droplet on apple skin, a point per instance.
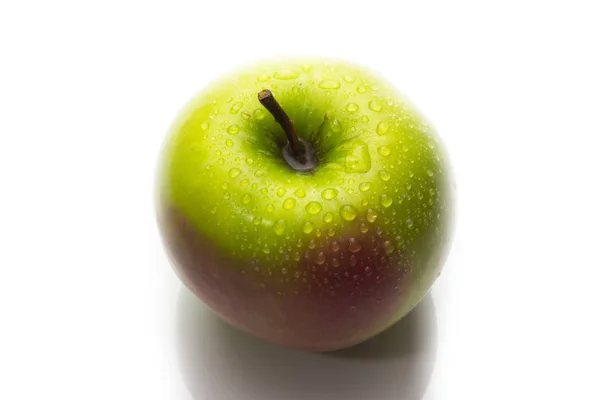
(351, 107)
(329, 84)
(358, 158)
(354, 245)
(384, 175)
(314, 207)
(308, 227)
(233, 129)
(279, 227)
(234, 173)
(382, 128)
(289, 203)
(384, 150)
(236, 107)
(385, 200)
(348, 212)
(371, 215)
(329, 194)
(285, 74)
(320, 259)
(364, 186)
(375, 105)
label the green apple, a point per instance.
(307, 202)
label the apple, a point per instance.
(307, 202)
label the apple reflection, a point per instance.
(219, 362)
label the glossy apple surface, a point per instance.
(321, 260)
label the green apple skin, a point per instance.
(317, 261)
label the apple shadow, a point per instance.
(219, 362)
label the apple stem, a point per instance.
(267, 99)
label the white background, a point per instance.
(88, 90)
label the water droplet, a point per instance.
(300, 193)
(320, 259)
(329, 84)
(384, 175)
(329, 194)
(364, 186)
(285, 74)
(331, 232)
(281, 191)
(368, 271)
(354, 245)
(328, 217)
(279, 227)
(335, 262)
(229, 143)
(374, 105)
(349, 78)
(411, 174)
(351, 107)
(270, 207)
(385, 200)
(263, 78)
(308, 227)
(249, 161)
(384, 150)
(371, 215)
(233, 129)
(358, 158)
(311, 244)
(364, 228)
(362, 89)
(429, 172)
(388, 247)
(226, 195)
(431, 145)
(245, 115)
(213, 210)
(262, 190)
(353, 260)
(246, 198)
(364, 119)
(258, 114)
(236, 107)
(348, 213)
(314, 207)
(289, 203)
(409, 223)
(382, 128)
(284, 271)
(296, 257)
(257, 220)
(335, 246)
(335, 125)
(266, 249)
(234, 172)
